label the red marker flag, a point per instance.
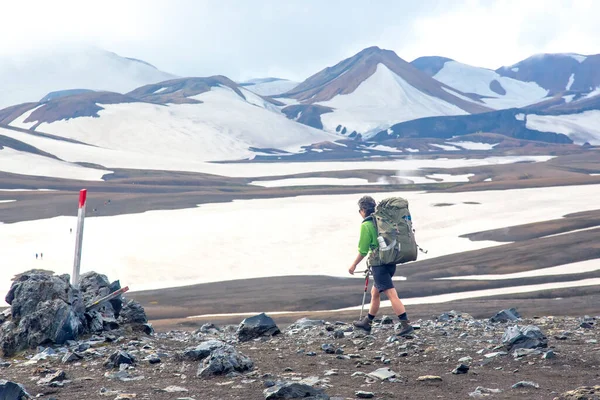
(79, 237)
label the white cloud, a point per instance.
(296, 38)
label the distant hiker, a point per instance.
(36, 256)
(70, 230)
(383, 257)
(41, 256)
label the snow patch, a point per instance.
(487, 180)
(412, 150)
(272, 88)
(568, 98)
(581, 128)
(317, 181)
(385, 148)
(515, 69)
(474, 145)
(578, 57)
(469, 79)
(570, 83)
(7, 201)
(445, 147)
(162, 89)
(520, 117)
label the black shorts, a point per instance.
(382, 275)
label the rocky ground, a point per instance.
(450, 357)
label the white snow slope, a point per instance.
(28, 78)
(223, 127)
(581, 128)
(469, 79)
(380, 101)
(270, 88)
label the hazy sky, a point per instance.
(296, 38)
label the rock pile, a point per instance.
(47, 309)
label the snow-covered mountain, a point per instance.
(495, 90)
(170, 125)
(371, 91)
(269, 86)
(558, 72)
(28, 78)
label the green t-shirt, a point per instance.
(368, 238)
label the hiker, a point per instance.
(41, 256)
(382, 274)
(36, 256)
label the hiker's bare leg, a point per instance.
(375, 300)
(397, 305)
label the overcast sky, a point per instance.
(296, 38)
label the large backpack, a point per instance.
(395, 233)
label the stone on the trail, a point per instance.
(311, 354)
(382, 374)
(460, 369)
(12, 391)
(518, 353)
(429, 378)
(292, 390)
(71, 357)
(481, 391)
(119, 357)
(528, 337)
(465, 360)
(222, 361)
(208, 328)
(304, 323)
(549, 355)
(496, 354)
(525, 384)
(387, 320)
(257, 326)
(174, 389)
(126, 396)
(586, 325)
(58, 376)
(153, 359)
(133, 313)
(339, 334)
(201, 351)
(328, 348)
(506, 316)
(581, 393)
(364, 395)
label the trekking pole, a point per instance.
(365, 293)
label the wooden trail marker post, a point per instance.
(79, 237)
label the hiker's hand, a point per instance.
(352, 269)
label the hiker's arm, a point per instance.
(357, 261)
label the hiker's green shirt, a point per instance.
(368, 238)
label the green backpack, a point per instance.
(395, 234)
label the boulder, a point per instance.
(203, 350)
(12, 391)
(293, 390)
(304, 323)
(222, 361)
(581, 393)
(119, 357)
(506, 316)
(44, 308)
(257, 326)
(528, 337)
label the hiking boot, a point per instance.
(404, 328)
(364, 323)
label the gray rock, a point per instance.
(58, 376)
(506, 316)
(481, 391)
(339, 334)
(133, 313)
(12, 391)
(387, 320)
(304, 323)
(525, 384)
(382, 374)
(549, 355)
(364, 395)
(586, 325)
(119, 357)
(528, 337)
(328, 348)
(224, 360)
(518, 353)
(153, 359)
(465, 360)
(461, 369)
(201, 351)
(257, 326)
(311, 354)
(71, 357)
(292, 390)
